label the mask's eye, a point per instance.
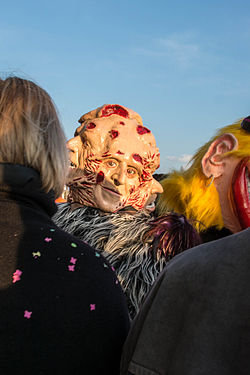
(111, 163)
(131, 172)
(72, 164)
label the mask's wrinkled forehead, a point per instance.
(115, 130)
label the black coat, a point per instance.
(196, 319)
(62, 310)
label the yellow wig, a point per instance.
(188, 191)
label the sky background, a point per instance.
(183, 65)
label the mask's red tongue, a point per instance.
(240, 193)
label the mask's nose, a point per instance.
(119, 175)
(156, 187)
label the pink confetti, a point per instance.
(27, 314)
(17, 276)
(113, 269)
(47, 239)
(71, 268)
(92, 306)
(73, 260)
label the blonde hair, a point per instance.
(30, 132)
(187, 191)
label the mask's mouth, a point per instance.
(241, 192)
(150, 207)
(111, 190)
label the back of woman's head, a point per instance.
(30, 132)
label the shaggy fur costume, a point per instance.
(137, 246)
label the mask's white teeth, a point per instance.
(151, 205)
(248, 183)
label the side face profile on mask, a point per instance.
(215, 189)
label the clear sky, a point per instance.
(183, 65)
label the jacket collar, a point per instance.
(23, 184)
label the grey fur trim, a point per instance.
(120, 239)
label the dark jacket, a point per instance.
(62, 310)
(196, 320)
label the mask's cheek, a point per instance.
(241, 192)
(139, 196)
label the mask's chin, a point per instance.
(241, 192)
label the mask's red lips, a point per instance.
(240, 184)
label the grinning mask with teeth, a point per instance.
(113, 158)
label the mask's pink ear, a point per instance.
(213, 163)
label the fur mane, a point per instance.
(120, 238)
(138, 246)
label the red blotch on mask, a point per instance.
(120, 153)
(145, 176)
(99, 177)
(122, 123)
(106, 154)
(142, 130)
(91, 125)
(137, 157)
(114, 110)
(132, 190)
(114, 134)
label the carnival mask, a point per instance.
(113, 157)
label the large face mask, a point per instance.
(113, 157)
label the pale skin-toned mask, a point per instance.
(113, 158)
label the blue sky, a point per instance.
(184, 66)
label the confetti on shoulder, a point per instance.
(52, 230)
(36, 254)
(92, 306)
(105, 265)
(71, 268)
(27, 314)
(73, 244)
(97, 254)
(73, 260)
(47, 239)
(17, 276)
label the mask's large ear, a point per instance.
(74, 146)
(213, 163)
